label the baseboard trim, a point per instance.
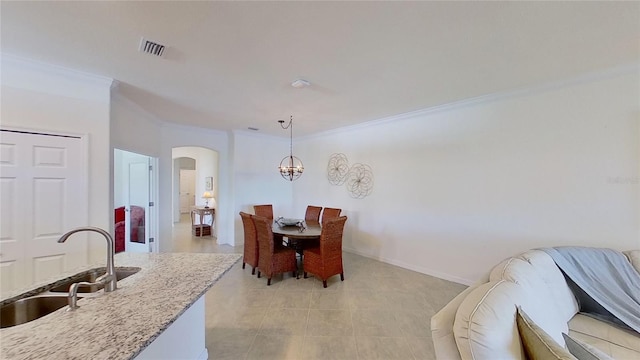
(412, 267)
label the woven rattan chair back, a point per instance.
(330, 213)
(264, 211)
(313, 213)
(250, 255)
(272, 259)
(326, 260)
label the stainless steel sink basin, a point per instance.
(91, 276)
(25, 310)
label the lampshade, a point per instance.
(208, 195)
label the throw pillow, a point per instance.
(584, 351)
(538, 345)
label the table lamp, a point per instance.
(206, 196)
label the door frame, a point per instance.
(151, 209)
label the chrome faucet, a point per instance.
(108, 279)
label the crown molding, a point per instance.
(172, 125)
(486, 99)
(29, 74)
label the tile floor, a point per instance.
(380, 311)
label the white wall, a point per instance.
(459, 188)
(47, 98)
(132, 128)
(256, 178)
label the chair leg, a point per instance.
(341, 276)
(253, 271)
(305, 275)
(269, 282)
(295, 273)
(243, 265)
(258, 274)
(324, 283)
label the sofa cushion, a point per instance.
(538, 345)
(584, 351)
(594, 330)
(485, 324)
(552, 304)
(634, 258)
(444, 343)
(537, 268)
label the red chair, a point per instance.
(136, 233)
(272, 259)
(325, 260)
(250, 242)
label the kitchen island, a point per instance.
(123, 324)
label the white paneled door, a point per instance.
(44, 194)
(187, 190)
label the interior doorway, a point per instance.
(135, 216)
(195, 174)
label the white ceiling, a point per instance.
(229, 65)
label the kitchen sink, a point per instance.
(34, 307)
(91, 276)
(25, 310)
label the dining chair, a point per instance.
(264, 211)
(325, 260)
(267, 212)
(313, 213)
(330, 213)
(250, 255)
(272, 259)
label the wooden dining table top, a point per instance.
(312, 230)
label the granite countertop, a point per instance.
(119, 324)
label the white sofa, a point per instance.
(480, 323)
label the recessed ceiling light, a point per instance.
(300, 83)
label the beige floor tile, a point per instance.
(300, 284)
(383, 348)
(375, 323)
(335, 300)
(329, 348)
(224, 334)
(404, 300)
(284, 322)
(367, 300)
(380, 311)
(329, 323)
(422, 348)
(276, 347)
(227, 351)
(414, 323)
(291, 299)
(237, 318)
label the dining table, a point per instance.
(308, 231)
(300, 236)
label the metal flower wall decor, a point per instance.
(358, 178)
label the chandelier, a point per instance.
(290, 167)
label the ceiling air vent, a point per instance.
(151, 47)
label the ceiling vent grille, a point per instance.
(151, 47)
